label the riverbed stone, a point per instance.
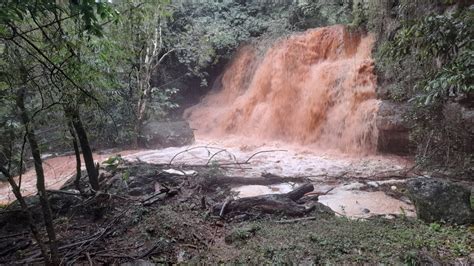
(167, 134)
(439, 200)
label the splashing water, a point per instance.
(317, 88)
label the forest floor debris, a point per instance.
(170, 221)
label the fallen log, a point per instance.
(264, 180)
(267, 204)
(299, 192)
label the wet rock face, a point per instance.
(167, 134)
(393, 130)
(440, 200)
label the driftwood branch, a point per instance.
(223, 150)
(268, 204)
(190, 149)
(257, 153)
(220, 150)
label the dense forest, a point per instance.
(78, 77)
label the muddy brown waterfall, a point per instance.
(313, 88)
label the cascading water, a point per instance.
(316, 87)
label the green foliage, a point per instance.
(206, 34)
(429, 62)
(359, 13)
(89, 12)
(316, 13)
(163, 101)
(453, 79)
(126, 176)
(444, 40)
(215, 170)
(43, 49)
(242, 234)
(337, 240)
(113, 162)
(139, 46)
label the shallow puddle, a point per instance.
(257, 190)
(347, 200)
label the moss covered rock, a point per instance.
(440, 200)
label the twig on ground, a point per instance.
(89, 259)
(150, 251)
(63, 192)
(190, 246)
(89, 242)
(221, 213)
(296, 220)
(115, 256)
(14, 235)
(321, 194)
(162, 191)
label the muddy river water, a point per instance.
(347, 177)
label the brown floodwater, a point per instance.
(314, 88)
(326, 169)
(57, 171)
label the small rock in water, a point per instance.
(373, 183)
(365, 210)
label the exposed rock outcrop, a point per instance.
(439, 200)
(393, 130)
(167, 134)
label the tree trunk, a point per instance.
(77, 153)
(86, 149)
(29, 216)
(40, 180)
(141, 110)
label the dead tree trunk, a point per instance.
(77, 153)
(264, 180)
(29, 216)
(40, 180)
(86, 149)
(268, 204)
